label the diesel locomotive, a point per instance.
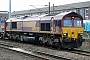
(64, 30)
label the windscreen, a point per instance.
(68, 23)
(78, 23)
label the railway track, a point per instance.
(80, 52)
(38, 54)
(21, 51)
(56, 56)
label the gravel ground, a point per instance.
(28, 47)
(11, 55)
(86, 45)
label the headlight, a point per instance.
(65, 34)
(80, 34)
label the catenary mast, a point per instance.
(9, 8)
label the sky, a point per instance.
(18, 5)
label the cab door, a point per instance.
(57, 26)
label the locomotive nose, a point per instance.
(72, 32)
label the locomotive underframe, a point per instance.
(55, 40)
(71, 43)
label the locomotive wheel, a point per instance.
(9, 37)
(78, 44)
(48, 44)
(18, 39)
(21, 39)
(63, 44)
(57, 45)
(40, 42)
(4, 36)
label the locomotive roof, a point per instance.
(31, 19)
(61, 15)
(56, 17)
(44, 17)
(13, 20)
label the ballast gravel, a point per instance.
(29, 47)
(12, 55)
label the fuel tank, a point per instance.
(30, 39)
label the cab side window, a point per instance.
(58, 23)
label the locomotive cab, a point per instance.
(72, 30)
